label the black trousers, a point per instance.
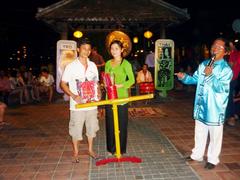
(123, 123)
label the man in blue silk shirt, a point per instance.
(213, 81)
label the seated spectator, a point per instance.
(2, 112)
(22, 84)
(18, 87)
(144, 75)
(5, 87)
(32, 84)
(46, 84)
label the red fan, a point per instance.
(132, 159)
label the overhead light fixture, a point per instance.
(77, 34)
(135, 40)
(148, 34)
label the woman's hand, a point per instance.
(119, 85)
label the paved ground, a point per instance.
(160, 160)
(36, 144)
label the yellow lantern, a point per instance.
(135, 40)
(77, 34)
(148, 34)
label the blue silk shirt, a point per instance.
(211, 93)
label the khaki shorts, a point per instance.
(77, 120)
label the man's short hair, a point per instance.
(83, 41)
(44, 70)
(145, 65)
(94, 48)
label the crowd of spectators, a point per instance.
(25, 86)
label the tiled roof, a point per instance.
(111, 11)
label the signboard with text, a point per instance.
(164, 65)
(66, 53)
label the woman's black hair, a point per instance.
(119, 43)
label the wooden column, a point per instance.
(162, 31)
(62, 28)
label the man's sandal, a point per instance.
(76, 159)
(93, 155)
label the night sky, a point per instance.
(18, 25)
(208, 19)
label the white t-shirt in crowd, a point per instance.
(76, 71)
(141, 77)
(47, 81)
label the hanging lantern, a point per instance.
(77, 34)
(135, 40)
(148, 34)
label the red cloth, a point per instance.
(146, 88)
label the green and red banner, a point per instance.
(164, 65)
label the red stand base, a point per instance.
(117, 160)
